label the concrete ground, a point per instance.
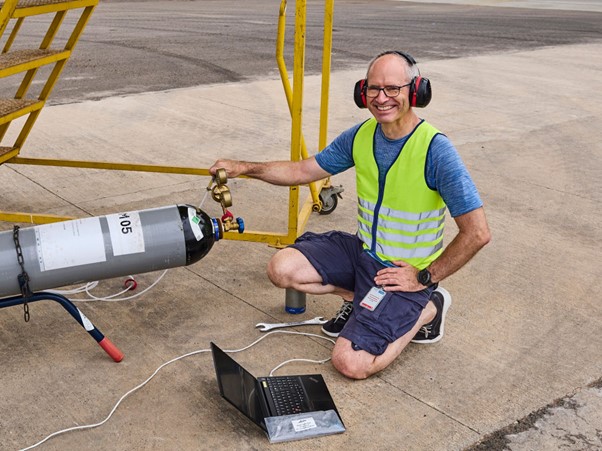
(521, 335)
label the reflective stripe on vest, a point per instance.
(409, 215)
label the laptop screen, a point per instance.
(238, 386)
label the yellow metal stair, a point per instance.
(27, 61)
(24, 60)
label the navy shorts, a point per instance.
(341, 261)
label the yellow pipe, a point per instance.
(308, 208)
(53, 29)
(79, 27)
(297, 108)
(110, 166)
(326, 54)
(46, 42)
(313, 201)
(31, 218)
(288, 92)
(13, 34)
(271, 239)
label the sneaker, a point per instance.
(334, 326)
(433, 331)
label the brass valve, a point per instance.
(221, 194)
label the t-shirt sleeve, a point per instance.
(446, 173)
(338, 155)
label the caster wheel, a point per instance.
(329, 204)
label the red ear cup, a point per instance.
(359, 94)
(412, 97)
(420, 92)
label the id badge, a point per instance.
(373, 298)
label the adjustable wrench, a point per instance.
(264, 327)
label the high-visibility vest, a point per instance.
(402, 218)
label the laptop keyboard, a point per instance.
(287, 394)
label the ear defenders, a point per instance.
(420, 87)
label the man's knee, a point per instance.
(283, 267)
(276, 270)
(351, 363)
(350, 369)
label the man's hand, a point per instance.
(401, 278)
(233, 168)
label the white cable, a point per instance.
(298, 360)
(91, 426)
(113, 298)
(110, 298)
(301, 360)
(82, 289)
(307, 334)
(199, 351)
(204, 198)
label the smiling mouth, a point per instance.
(384, 107)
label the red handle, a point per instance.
(111, 349)
(227, 215)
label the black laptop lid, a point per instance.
(317, 393)
(238, 386)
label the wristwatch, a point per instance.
(424, 277)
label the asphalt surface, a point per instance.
(133, 47)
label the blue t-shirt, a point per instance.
(445, 170)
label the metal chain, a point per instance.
(23, 278)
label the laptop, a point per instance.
(286, 407)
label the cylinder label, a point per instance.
(126, 233)
(194, 224)
(70, 243)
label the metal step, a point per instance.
(6, 153)
(23, 60)
(11, 109)
(32, 7)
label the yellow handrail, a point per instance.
(326, 55)
(287, 86)
(313, 203)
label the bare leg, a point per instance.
(361, 364)
(289, 268)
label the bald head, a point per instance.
(408, 64)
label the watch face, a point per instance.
(424, 277)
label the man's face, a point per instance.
(388, 70)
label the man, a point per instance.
(407, 174)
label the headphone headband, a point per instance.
(406, 56)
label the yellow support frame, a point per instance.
(297, 217)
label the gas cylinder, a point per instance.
(96, 248)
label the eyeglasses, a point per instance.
(390, 91)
